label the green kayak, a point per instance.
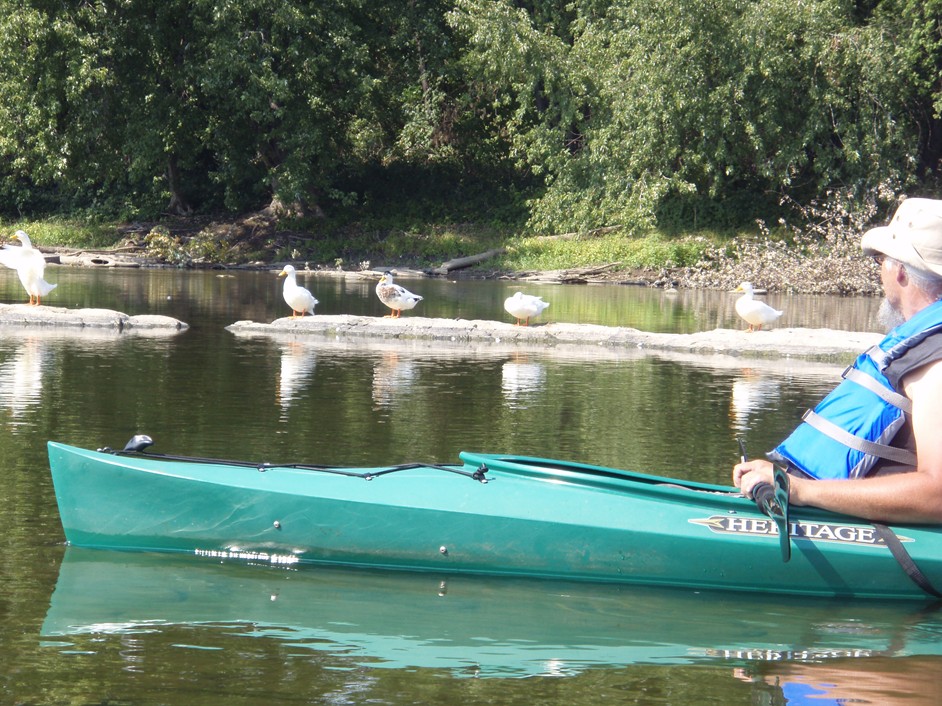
(489, 514)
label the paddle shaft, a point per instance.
(772, 500)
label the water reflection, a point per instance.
(394, 374)
(30, 354)
(522, 377)
(626, 408)
(751, 392)
(298, 361)
(468, 625)
(21, 375)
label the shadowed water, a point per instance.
(95, 627)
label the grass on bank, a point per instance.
(824, 262)
(64, 233)
(354, 248)
(652, 251)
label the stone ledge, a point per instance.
(827, 345)
(23, 315)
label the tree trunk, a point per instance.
(178, 205)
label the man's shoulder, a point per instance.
(925, 378)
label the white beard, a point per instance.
(889, 316)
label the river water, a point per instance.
(86, 627)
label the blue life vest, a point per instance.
(850, 430)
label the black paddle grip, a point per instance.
(763, 494)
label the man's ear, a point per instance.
(902, 276)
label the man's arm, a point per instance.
(905, 497)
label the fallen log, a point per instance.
(97, 259)
(459, 263)
(579, 275)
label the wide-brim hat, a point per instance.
(913, 237)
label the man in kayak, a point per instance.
(873, 447)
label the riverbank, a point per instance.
(843, 273)
(818, 259)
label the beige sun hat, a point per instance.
(913, 236)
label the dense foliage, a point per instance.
(582, 115)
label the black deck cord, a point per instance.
(477, 475)
(905, 561)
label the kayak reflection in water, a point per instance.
(879, 427)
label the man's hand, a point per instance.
(748, 474)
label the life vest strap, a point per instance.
(886, 394)
(878, 355)
(871, 448)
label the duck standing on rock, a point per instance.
(30, 265)
(395, 297)
(755, 313)
(524, 306)
(297, 297)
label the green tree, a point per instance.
(624, 112)
(914, 32)
(151, 97)
(282, 83)
(156, 118)
(638, 106)
(45, 73)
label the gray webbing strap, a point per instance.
(887, 395)
(872, 448)
(878, 355)
(905, 561)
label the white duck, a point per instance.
(297, 297)
(30, 265)
(524, 306)
(755, 313)
(395, 297)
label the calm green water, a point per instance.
(99, 628)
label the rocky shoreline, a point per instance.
(813, 276)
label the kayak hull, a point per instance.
(521, 516)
